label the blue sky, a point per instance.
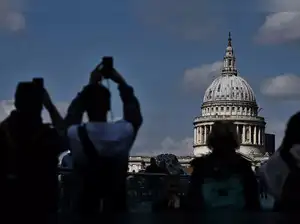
(155, 44)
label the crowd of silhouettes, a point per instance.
(98, 158)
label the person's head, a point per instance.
(29, 99)
(153, 161)
(96, 99)
(223, 138)
(291, 136)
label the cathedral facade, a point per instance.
(230, 97)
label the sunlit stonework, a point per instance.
(230, 97)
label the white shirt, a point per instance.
(109, 139)
(275, 171)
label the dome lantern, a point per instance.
(229, 66)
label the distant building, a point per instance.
(231, 98)
(270, 143)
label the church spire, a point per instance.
(229, 40)
(229, 67)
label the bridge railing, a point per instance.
(142, 188)
(145, 188)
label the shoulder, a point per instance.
(123, 127)
(243, 162)
(72, 131)
(199, 162)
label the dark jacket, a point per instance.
(205, 167)
(29, 158)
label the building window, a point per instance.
(217, 109)
(232, 108)
(222, 108)
(227, 108)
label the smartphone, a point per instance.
(39, 82)
(108, 63)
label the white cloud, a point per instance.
(189, 19)
(182, 147)
(280, 6)
(283, 86)
(200, 77)
(11, 15)
(283, 24)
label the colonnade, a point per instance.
(248, 134)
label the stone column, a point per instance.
(237, 129)
(200, 134)
(205, 134)
(195, 135)
(254, 135)
(259, 135)
(263, 136)
(250, 134)
(244, 135)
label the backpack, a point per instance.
(88, 149)
(223, 192)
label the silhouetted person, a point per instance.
(100, 149)
(262, 186)
(223, 180)
(29, 155)
(171, 201)
(154, 168)
(143, 166)
(281, 172)
(154, 181)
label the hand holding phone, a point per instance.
(107, 66)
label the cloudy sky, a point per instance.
(168, 50)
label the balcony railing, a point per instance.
(231, 117)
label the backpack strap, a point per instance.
(87, 145)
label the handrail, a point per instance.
(68, 170)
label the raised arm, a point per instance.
(131, 106)
(75, 112)
(56, 119)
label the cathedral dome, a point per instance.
(229, 88)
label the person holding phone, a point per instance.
(29, 152)
(100, 149)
